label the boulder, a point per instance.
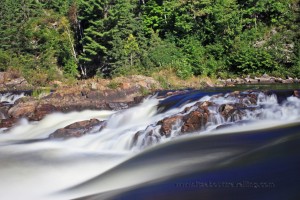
(76, 129)
(195, 120)
(168, 123)
(232, 111)
(23, 109)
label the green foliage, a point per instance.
(163, 81)
(40, 92)
(4, 60)
(46, 40)
(113, 85)
(144, 91)
(183, 69)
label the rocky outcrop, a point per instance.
(77, 129)
(66, 101)
(12, 80)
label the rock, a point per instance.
(195, 120)
(266, 80)
(41, 111)
(148, 135)
(251, 80)
(168, 123)
(229, 81)
(239, 81)
(12, 80)
(231, 111)
(297, 93)
(18, 82)
(94, 86)
(93, 95)
(117, 106)
(7, 123)
(76, 129)
(288, 81)
(23, 109)
(4, 111)
(265, 76)
(278, 80)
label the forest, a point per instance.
(53, 39)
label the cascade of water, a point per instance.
(58, 162)
(10, 98)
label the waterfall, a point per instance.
(130, 151)
(10, 98)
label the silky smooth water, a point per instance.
(259, 159)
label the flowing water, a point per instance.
(255, 155)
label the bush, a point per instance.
(4, 60)
(183, 69)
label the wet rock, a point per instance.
(7, 123)
(145, 137)
(297, 93)
(195, 120)
(168, 123)
(117, 106)
(232, 111)
(4, 111)
(76, 129)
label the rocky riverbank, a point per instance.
(264, 79)
(94, 94)
(86, 94)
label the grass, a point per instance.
(40, 92)
(169, 80)
(113, 85)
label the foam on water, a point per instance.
(10, 98)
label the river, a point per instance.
(253, 155)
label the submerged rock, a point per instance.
(76, 129)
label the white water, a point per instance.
(10, 98)
(39, 170)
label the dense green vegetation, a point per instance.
(50, 39)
